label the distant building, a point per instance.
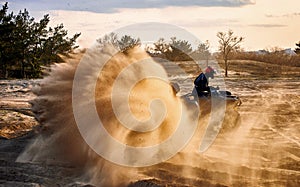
(262, 52)
(289, 51)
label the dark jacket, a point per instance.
(201, 83)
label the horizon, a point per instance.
(265, 24)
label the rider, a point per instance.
(209, 72)
(201, 85)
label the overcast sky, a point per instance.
(263, 23)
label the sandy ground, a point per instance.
(17, 130)
(264, 150)
(15, 109)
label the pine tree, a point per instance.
(127, 42)
(26, 45)
(175, 50)
(6, 38)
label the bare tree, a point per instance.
(111, 39)
(228, 43)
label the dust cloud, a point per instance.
(149, 101)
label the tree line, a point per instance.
(26, 45)
(176, 49)
(173, 50)
(276, 56)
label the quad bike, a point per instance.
(214, 93)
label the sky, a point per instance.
(264, 24)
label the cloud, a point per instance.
(283, 15)
(267, 25)
(109, 6)
(220, 22)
